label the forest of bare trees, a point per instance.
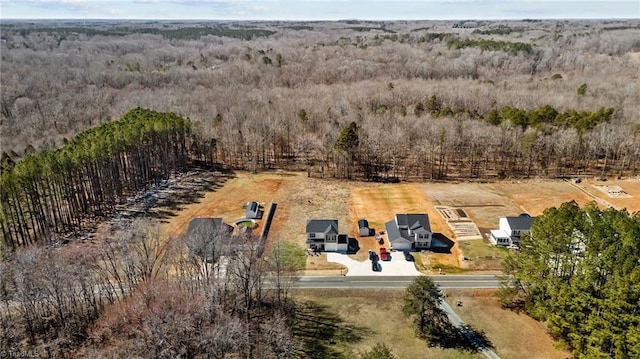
(94, 112)
(138, 294)
(430, 100)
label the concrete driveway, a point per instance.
(397, 266)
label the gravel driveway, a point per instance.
(397, 266)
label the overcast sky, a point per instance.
(318, 9)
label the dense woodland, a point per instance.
(140, 295)
(579, 271)
(62, 191)
(429, 99)
(93, 113)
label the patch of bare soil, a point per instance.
(483, 202)
(630, 186)
(534, 196)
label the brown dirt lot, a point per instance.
(630, 186)
(300, 198)
(514, 335)
(534, 196)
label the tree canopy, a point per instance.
(58, 191)
(422, 304)
(579, 270)
(348, 138)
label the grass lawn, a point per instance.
(513, 335)
(482, 256)
(340, 323)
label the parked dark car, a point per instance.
(408, 257)
(375, 266)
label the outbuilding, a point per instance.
(253, 210)
(363, 228)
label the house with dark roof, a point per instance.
(409, 232)
(201, 233)
(511, 229)
(322, 235)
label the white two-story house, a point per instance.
(511, 229)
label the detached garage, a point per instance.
(363, 228)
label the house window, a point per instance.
(312, 235)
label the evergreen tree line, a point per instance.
(579, 271)
(58, 191)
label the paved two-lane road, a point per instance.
(380, 282)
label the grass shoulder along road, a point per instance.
(354, 320)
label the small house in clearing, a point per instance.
(409, 232)
(511, 229)
(253, 210)
(322, 235)
(363, 228)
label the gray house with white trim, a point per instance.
(409, 232)
(322, 235)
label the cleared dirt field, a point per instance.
(630, 186)
(300, 198)
(535, 196)
(513, 335)
(483, 202)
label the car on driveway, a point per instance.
(408, 257)
(375, 266)
(384, 255)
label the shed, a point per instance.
(253, 210)
(363, 228)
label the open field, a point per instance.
(514, 335)
(630, 186)
(300, 198)
(534, 196)
(377, 317)
(370, 317)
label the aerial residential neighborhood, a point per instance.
(289, 179)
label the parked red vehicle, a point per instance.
(384, 255)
